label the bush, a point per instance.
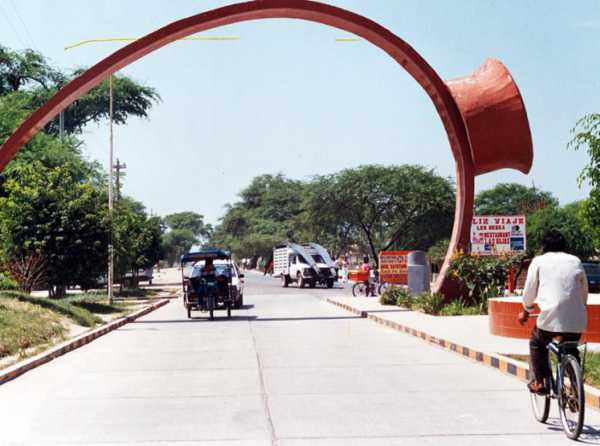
(430, 303)
(7, 282)
(404, 299)
(458, 308)
(389, 296)
(482, 276)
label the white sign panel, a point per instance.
(497, 234)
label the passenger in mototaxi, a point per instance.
(203, 279)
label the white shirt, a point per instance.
(558, 282)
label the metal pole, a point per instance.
(61, 123)
(110, 191)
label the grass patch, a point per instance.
(592, 366)
(65, 307)
(429, 303)
(127, 293)
(24, 325)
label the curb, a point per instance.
(509, 366)
(20, 368)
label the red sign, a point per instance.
(393, 267)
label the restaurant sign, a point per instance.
(497, 234)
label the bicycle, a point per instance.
(361, 289)
(565, 385)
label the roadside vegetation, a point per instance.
(28, 322)
(25, 325)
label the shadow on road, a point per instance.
(589, 434)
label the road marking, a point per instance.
(263, 389)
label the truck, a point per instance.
(306, 264)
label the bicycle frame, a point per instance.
(559, 350)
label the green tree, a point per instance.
(47, 211)
(512, 199)
(188, 220)
(177, 242)
(586, 136)
(136, 236)
(402, 207)
(569, 220)
(269, 212)
(30, 77)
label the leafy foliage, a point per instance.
(269, 212)
(430, 303)
(570, 220)
(482, 276)
(137, 238)
(586, 136)
(49, 212)
(404, 207)
(397, 296)
(370, 208)
(29, 75)
(512, 199)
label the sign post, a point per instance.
(393, 267)
(498, 234)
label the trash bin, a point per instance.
(418, 272)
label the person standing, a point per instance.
(345, 267)
(366, 268)
(557, 282)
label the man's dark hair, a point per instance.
(366, 259)
(554, 241)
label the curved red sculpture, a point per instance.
(476, 114)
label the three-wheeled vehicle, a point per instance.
(208, 289)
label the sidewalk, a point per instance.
(471, 331)
(465, 335)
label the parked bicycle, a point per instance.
(375, 287)
(565, 384)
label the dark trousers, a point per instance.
(538, 348)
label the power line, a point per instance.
(23, 23)
(12, 26)
(131, 39)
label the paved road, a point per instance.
(289, 369)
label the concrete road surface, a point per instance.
(289, 369)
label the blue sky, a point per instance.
(288, 98)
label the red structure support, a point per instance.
(483, 114)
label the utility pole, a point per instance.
(110, 191)
(61, 123)
(118, 168)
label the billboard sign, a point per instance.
(497, 234)
(393, 267)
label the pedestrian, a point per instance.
(557, 282)
(345, 267)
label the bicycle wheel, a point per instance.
(383, 287)
(359, 289)
(541, 406)
(571, 396)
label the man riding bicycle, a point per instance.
(558, 283)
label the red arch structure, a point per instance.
(483, 114)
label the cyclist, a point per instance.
(558, 281)
(366, 268)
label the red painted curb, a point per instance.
(20, 368)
